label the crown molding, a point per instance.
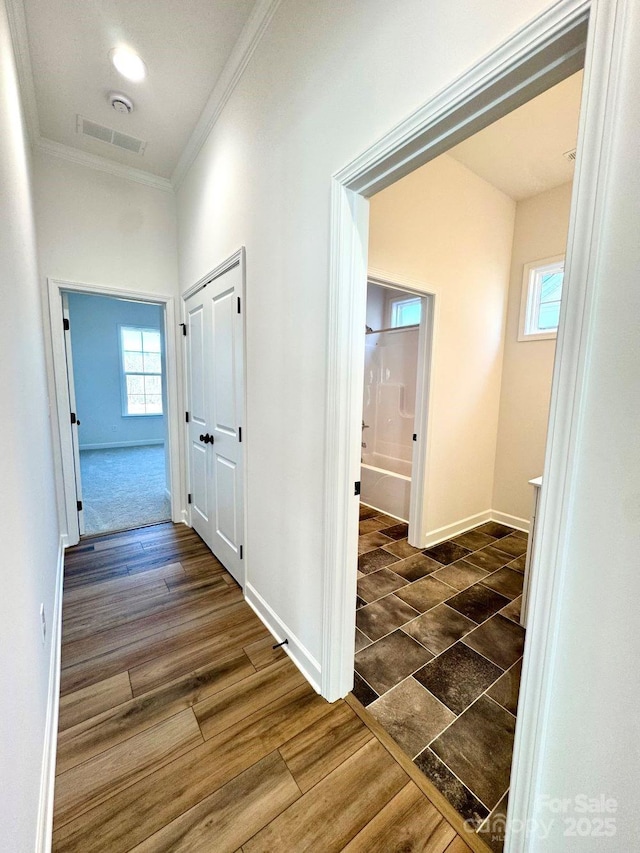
(241, 54)
(20, 41)
(249, 39)
(101, 164)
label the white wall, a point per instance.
(101, 229)
(97, 228)
(95, 340)
(594, 727)
(540, 232)
(326, 80)
(28, 525)
(447, 228)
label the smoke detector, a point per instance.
(121, 103)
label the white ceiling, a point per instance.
(521, 154)
(184, 43)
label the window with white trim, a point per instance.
(541, 297)
(406, 312)
(141, 351)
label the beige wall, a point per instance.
(540, 232)
(448, 229)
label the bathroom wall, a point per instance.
(95, 341)
(541, 226)
(450, 232)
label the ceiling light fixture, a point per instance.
(128, 63)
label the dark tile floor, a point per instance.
(439, 655)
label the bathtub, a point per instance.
(386, 484)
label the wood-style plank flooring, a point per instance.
(181, 729)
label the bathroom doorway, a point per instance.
(440, 632)
(397, 344)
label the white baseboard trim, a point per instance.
(511, 520)
(305, 661)
(109, 445)
(459, 527)
(455, 529)
(44, 828)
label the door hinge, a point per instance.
(238, 305)
(239, 433)
(357, 487)
(73, 417)
(184, 329)
(65, 324)
(186, 417)
(79, 505)
(189, 498)
(241, 552)
(415, 436)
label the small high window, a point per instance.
(540, 301)
(405, 312)
(141, 371)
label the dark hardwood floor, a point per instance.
(181, 729)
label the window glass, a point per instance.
(406, 312)
(142, 370)
(541, 298)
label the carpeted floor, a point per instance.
(123, 488)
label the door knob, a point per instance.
(206, 439)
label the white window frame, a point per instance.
(530, 298)
(123, 373)
(394, 303)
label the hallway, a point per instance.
(181, 728)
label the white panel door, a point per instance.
(216, 398)
(197, 360)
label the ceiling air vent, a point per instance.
(107, 134)
(570, 155)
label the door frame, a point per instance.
(422, 444)
(238, 258)
(540, 54)
(65, 469)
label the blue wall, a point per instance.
(96, 366)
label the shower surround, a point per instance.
(391, 359)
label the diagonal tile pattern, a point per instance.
(378, 584)
(383, 616)
(452, 712)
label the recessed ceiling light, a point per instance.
(128, 63)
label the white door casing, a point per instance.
(64, 467)
(215, 402)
